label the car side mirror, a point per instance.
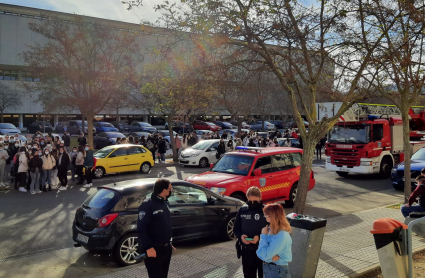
(257, 172)
(211, 166)
(212, 200)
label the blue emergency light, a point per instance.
(373, 117)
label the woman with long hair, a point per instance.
(24, 157)
(79, 163)
(275, 243)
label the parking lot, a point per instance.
(36, 229)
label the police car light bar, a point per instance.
(242, 148)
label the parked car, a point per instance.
(75, 127)
(53, 135)
(201, 154)
(232, 131)
(107, 220)
(8, 129)
(258, 125)
(243, 124)
(104, 127)
(123, 127)
(278, 124)
(417, 163)
(294, 142)
(200, 125)
(122, 158)
(276, 171)
(294, 124)
(60, 127)
(139, 134)
(141, 126)
(224, 125)
(104, 139)
(40, 126)
(180, 128)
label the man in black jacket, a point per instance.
(66, 140)
(63, 163)
(249, 222)
(154, 230)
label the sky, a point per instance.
(108, 9)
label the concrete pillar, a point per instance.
(21, 121)
(55, 120)
(214, 118)
(145, 118)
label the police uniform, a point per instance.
(154, 230)
(250, 221)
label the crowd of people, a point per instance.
(41, 163)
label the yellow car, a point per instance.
(123, 158)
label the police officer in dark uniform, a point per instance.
(154, 230)
(249, 222)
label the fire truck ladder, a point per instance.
(365, 109)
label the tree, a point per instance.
(399, 64)
(302, 44)
(8, 99)
(81, 65)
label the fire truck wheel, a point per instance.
(385, 168)
(342, 174)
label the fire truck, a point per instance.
(367, 139)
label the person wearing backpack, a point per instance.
(150, 145)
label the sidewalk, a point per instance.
(348, 249)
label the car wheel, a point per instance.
(99, 172)
(342, 174)
(126, 250)
(238, 196)
(385, 168)
(398, 187)
(145, 168)
(203, 162)
(228, 230)
(292, 196)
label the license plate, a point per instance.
(344, 146)
(82, 238)
(344, 169)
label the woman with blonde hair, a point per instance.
(275, 243)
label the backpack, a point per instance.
(150, 145)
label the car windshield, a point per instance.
(80, 123)
(234, 164)
(107, 125)
(352, 134)
(115, 135)
(201, 145)
(7, 126)
(419, 155)
(103, 152)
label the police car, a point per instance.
(275, 170)
(107, 220)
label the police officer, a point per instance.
(249, 222)
(154, 230)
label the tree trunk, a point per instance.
(172, 141)
(90, 118)
(117, 115)
(306, 166)
(407, 152)
(239, 121)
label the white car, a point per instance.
(201, 154)
(200, 132)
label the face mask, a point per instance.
(38, 135)
(42, 143)
(48, 145)
(61, 151)
(87, 149)
(254, 204)
(46, 153)
(16, 145)
(6, 147)
(12, 140)
(29, 146)
(39, 153)
(1, 149)
(74, 151)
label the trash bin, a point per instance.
(419, 228)
(390, 240)
(307, 237)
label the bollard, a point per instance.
(391, 243)
(307, 237)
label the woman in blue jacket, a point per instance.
(275, 243)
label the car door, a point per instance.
(117, 161)
(191, 213)
(283, 169)
(211, 152)
(267, 181)
(136, 156)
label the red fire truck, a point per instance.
(367, 144)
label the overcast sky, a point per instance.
(109, 9)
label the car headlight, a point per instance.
(366, 163)
(195, 154)
(218, 190)
(328, 159)
(394, 170)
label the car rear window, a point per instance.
(102, 199)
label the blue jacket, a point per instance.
(271, 245)
(89, 160)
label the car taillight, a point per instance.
(106, 220)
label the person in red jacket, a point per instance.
(417, 196)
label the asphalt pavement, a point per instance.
(36, 229)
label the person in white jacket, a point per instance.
(48, 163)
(23, 168)
(3, 157)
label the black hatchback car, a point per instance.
(107, 220)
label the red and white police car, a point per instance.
(275, 170)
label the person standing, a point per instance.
(221, 149)
(151, 145)
(48, 163)
(54, 172)
(35, 165)
(73, 157)
(66, 140)
(249, 222)
(319, 150)
(23, 168)
(178, 144)
(79, 164)
(88, 166)
(162, 149)
(4, 156)
(275, 243)
(229, 146)
(154, 230)
(82, 141)
(63, 162)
